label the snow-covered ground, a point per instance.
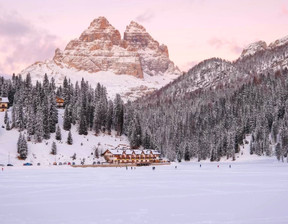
(248, 193)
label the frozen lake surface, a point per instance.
(249, 192)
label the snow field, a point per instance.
(248, 193)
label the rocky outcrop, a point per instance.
(253, 48)
(100, 48)
(280, 42)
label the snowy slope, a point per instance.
(127, 86)
(40, 152)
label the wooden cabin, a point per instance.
(136, 156)
(3, 104)
(59, 101)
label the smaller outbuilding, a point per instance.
(59, 101)
(4, 104)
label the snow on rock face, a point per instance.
(99, 49)
(253, 48)
(154, 57)
(279, 42)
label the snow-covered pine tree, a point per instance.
(109, 117)
(97, 121)
(54, 149)
(6, 117)
(8, 125)
(30, 120)
(278, 151)
(83, 126)
(97, 152)
(39, 132)
(19, 142)
(53, 116)
(118, 114)
(187, 153)
(46, 84)
(46, 115)
(66, 92)
(69, 139)
(82, 130)
(67, 119)
(135, 138)
(58, 135)
(23, 149)
(146, 141)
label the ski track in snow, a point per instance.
(249, 192)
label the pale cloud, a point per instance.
(24, 43)
(147, 16)
(284, 10)
(232, 46)
(188, 65)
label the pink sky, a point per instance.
(193, 30)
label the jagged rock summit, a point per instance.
(258, 46)
(100, 48)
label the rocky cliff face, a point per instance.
(154, 57)
(100, 48)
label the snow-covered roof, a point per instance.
(135, 151)
(4, 100)
(155, 152)
(116, 151)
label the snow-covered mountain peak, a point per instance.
(101, 29)
(135, 27)
(100, 22)
(253, 48)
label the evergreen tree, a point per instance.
(53, 113)
(19, 143)
(118, 114)
(97, 152)
(135, 137)
(58, 135)
(6, 117)
(30, 121)
(46, 116)
(278, 151)
(69, 139)
(109, 117)
(187, 154)
(8, 125)
(39, 132)
(23, 148)
(67, 119)
(54, 149)
(146, 141)
(82, 130)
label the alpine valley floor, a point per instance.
(250, 192)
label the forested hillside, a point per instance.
(34, 113)
(212, 123)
